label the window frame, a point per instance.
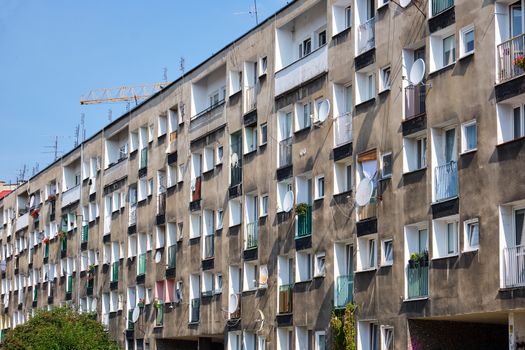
(384, 345)
(384, 261)
(264, 201)
(383, 155)
(467, 244)
(462, 41)
(320, 179)
(385, 81)
(263, 135)
(464, 136)
(320, 256)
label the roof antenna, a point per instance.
(181, 66)
(255, 12)
(165, 74)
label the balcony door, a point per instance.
(349, 260)
(519, 229)
(450, 145)
(516, 19)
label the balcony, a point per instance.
(22, 222)
(196, 189)
(237, 313)
(285, 299)
(71, 196)
(508, 51)
(304, 223)
(366, 36)
(131, 324)
(514, 266)
(207, 120)
(69, 285)
(132, 215)
(142, 265)
(85, 233)
(417, 278)
(250, 99)
(159, 313)
(343, 129)
(195, 310)
(415, 101)
(344, 288)
(172, 256)
(143, 158)
(209, 248)
(251, 235)
(236, 174)
(302, 70)
(285, 152)
(446, 181)
(439, 6)
(114, 271)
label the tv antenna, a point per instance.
(54, 148)
(252, 11)
(181, 65)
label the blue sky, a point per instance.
(54, 51)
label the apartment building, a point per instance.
(304, 166)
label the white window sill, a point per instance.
(441, 68)
(320, 276)
(470, 250)
(446, 256)
(367, 269)
(387, 264)
(466, 54)
(406, 300)
(263, 215)
(469, 151)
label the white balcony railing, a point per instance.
(514, 266)
(343, 129)
(509, 53)
(71, 196)
(22, 222)
(366, 36)
(302, 70)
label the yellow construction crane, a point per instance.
(121, 94)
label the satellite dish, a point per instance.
(263, 276)
(404, 3)
(94, 304)
(364, 192)
(135, 315)
(235, 160)
(158, 256)
(260, 320)
(288, 201)
(232, 304)
(417, 72)
(323, 110)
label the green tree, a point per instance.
(344, 329)
(62, 328)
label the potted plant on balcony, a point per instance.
(414, 260)
(35, 213)
(156, 304)
(423, 258)
(301, 209)
(45, 240)
(140, 304)
(61, 235)
(51, 197)
(520, 62)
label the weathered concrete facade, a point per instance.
(295, 171)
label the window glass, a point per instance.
(473, 234)
(449, 50)
(469, 40)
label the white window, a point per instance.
(263, 65)
(368, 333)
(381, 3)
(305, 48)
(151, 128)
(217, 289)
(386, 165)
(385, 79)
(195, 226)
(469, 138)
(445, 237)
(219, 154)
(319, 187)
(367, 253)
(387, 338)
(264, 134)
(303, 271)
(261, 342)
(414, 153)
(250, 139)
(235, 82)
(321, 37)
(172, 175)
(320, 340)
(366, 89)
(180, 172)
(207, 159)
(264, 205)
(471, 234)
(388, 252)
(219, 219)
(150, 187)
(466, 41)
(348, 17)
(163, 125)
(235, 211)
(250, 278)
(511, 122)
(180, 230)
(303, 113)
(343, 176)
(320, 264)
(442, 49)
